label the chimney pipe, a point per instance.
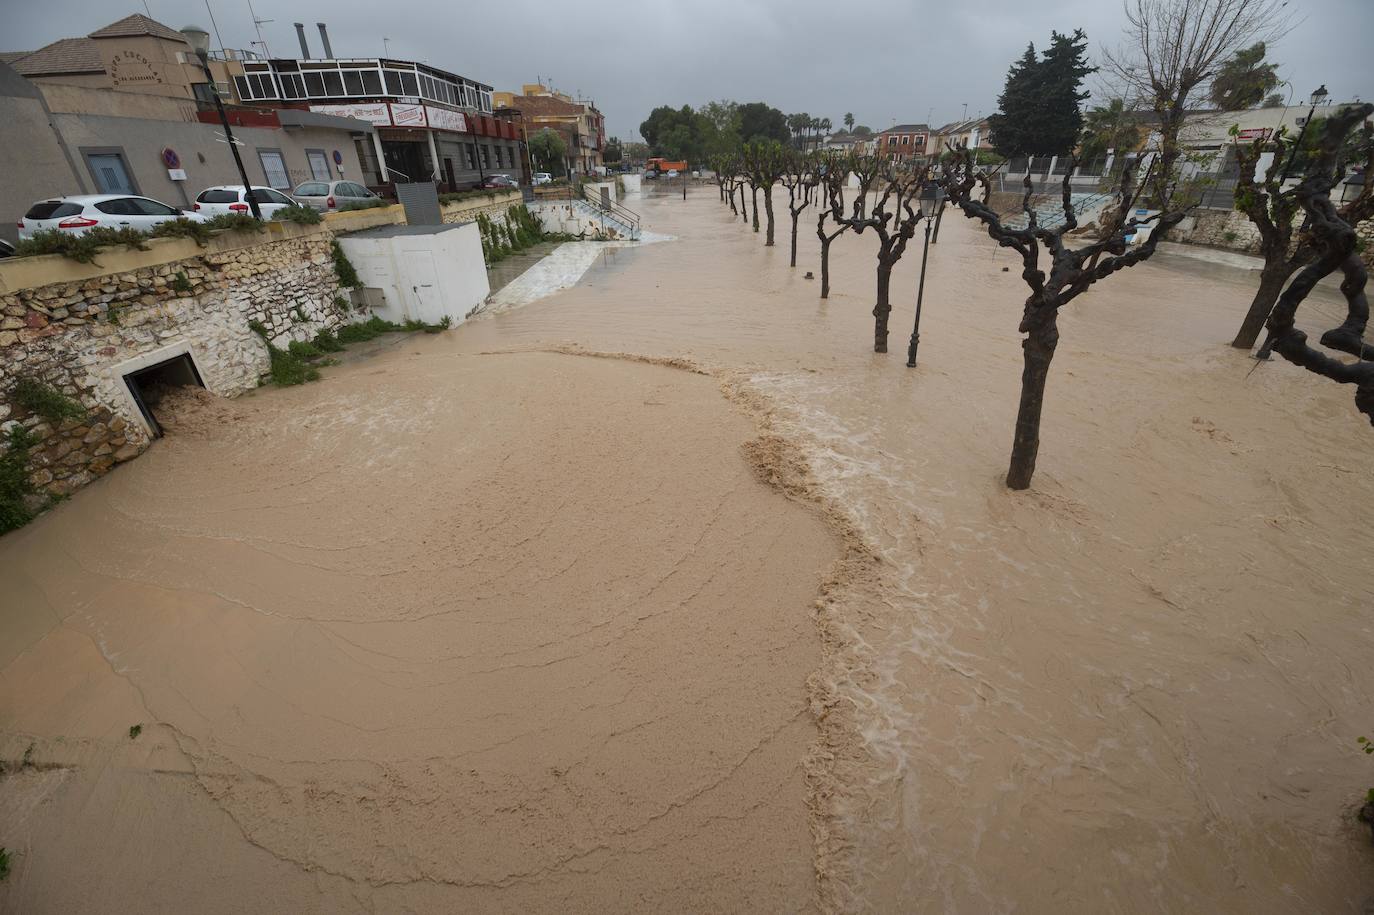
(324, 37)
(300, 33)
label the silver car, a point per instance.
(329, 196)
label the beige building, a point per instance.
(579, 121)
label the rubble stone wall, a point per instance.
(80, 332)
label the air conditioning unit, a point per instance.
(1301, 121)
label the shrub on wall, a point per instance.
(363, 205)
(16, 491)
(45, 400)
(301, 215)
(343, 267)
(80, 248)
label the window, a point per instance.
(319, 164)
(426, 86)
(409, 84)
(241, 87)
(472, 156)
(486, 159)
(905, 140)
(52, 209)
(274, 168)
(313, 189)
(274, 197)
(218, 195)
(120, 206)
(353, 82)
(314, 85)
(393, 82)
(372, 82)
(292, 86)
(142, 206)
(333, 84)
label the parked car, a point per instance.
(231, 198)
(327, 196)
(672, 173)
(542, 178)
(499, 181)
(6, 249)
(80, 213)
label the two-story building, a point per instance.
(430, 123)
(903, 142)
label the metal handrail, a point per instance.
(623, 214)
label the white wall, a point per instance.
(422, 277)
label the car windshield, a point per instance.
(312, 189)
(52, 209)
(219, 195)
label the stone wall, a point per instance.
(494, 206)
(1229, 229)
(80, 333)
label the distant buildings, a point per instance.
(974, 133)
(581, 125)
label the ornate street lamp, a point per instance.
(200, 43)
(1319, 96)
(932, 197)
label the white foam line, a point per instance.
(559, 270)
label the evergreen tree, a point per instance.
(1038, 110)
(1244, 80)
(1013, 126)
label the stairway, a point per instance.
(1049, 211)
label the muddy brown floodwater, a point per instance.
(512, 619)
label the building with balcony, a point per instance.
(582, 126)
(429, 123)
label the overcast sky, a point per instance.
(887, 61)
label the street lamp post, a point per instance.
(932, 196)
(200, 42)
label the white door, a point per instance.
(424, 303)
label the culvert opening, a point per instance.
(150, 385)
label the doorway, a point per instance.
(110, 172)
(149, 385)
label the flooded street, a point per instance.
(480, 623)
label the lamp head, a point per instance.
(198, 38)
(1319, 96)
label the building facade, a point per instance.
(581, 125)
(429, 123)
(903, 142)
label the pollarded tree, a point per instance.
(833, 172)
(765, 161)
(1273, 209)
(800, 178)
(1334, 242)
(1071, 272)
(893, 219)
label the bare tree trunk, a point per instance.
(755, 195)
(1349, 337)
(743, 205)
(733, 209)
(935, 234)
(883, 308)
(794, 238)
(768, 211)
(1272, 279)
(1037, 351)
(825, 267)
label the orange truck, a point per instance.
(663, 166)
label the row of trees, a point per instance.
(721, 128)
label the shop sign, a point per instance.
(444, 119)
(408, 115)
(374, 114)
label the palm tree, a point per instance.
(849, 120)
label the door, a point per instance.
(110, 173)
(425, 303)
(319, 165)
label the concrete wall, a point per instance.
(38, 161)
(425, 276)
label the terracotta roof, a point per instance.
(9, 57)
(138, 24)
(66, 55)
(908, 128)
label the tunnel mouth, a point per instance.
(149, 385)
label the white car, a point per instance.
(542, 178)
(672, 173)
(80, 214)
(230, 198)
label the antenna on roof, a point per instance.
(257, 25)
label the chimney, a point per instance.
(324, 37)
(300, 33)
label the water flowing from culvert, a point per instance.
(1135, 687)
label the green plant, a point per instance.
(15, 486)
(4, 862)
(180, 283)
(80, 248)
(46, 400)
(181, 227)
(303, 350)
(234, 222)
(1228, 236)
(135, 730)
(301, 215)
(326, 342)
(343, 267)
(298, 315)
(369, 204)
(284, 367)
